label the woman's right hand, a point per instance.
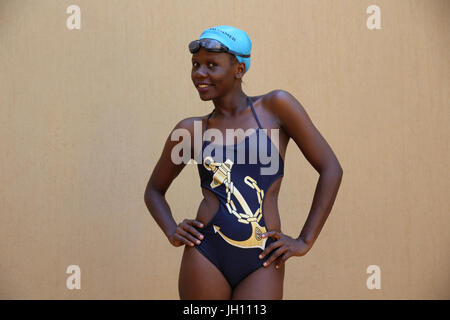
(185, 233)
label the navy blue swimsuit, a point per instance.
(235, 174)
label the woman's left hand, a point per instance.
(285, 246)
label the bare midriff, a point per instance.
(210, 204)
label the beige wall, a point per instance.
(85, 113)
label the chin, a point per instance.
(205, 98)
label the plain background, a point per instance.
(85, 113)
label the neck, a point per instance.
(231, 104)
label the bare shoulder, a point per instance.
(281, 104)
(281, 101)
(188, 123)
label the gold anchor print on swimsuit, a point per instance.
(222, 175)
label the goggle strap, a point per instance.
(216, 45)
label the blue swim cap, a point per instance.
(235, 39)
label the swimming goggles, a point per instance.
(212, 45)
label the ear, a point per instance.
(240, 70)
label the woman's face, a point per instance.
(213, 73)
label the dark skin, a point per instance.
(199, 278)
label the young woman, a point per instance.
(235, 248)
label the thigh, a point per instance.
(265, 283)
(200, 279)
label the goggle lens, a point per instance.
(210, 45)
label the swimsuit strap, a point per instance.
(253, 110)
(254, 113)
(209, 116)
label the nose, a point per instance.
(201, 72)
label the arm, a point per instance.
(161, 178)
(296, 123)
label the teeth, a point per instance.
(202, 85)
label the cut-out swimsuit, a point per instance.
(232, 239)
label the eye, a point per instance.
(209, 64)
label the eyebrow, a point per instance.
(207, 60)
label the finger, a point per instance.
(188, 236)
(183, 240)
(269, 248)
(272, 234)
(174, 241)
(193, 231)
(284, 257)
(195, 223)
(275, 255)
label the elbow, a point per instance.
(148, 195)
(146, 199)
(333, 168)
(336, 168)
(333, 171)
(151, 194)
(339, 172)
